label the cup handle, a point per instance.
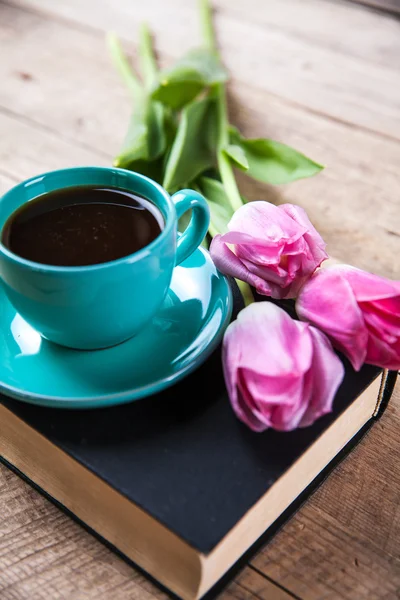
(194, 233)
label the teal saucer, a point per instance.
(180, 337)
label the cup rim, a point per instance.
(130, 258)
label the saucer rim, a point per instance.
(103, 401)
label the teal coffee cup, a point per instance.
(97, 306)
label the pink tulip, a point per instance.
(360, 313)
(279, 372)
(273, 248)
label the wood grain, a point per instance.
(317, 74)
(27, 150)
(360, 178)
(385, 5)
(332, 24)
(6, 183)
(251, 584)
(345, 543)
(44, 555)
(296, 67)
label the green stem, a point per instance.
(224, 163)
(207, 26)
(246, 292)
(212, 229)
(147, 57)
(229, 181)
(122, 65)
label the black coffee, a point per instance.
(82, 226)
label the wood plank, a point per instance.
(45, 555)
(358, 514)
(295, 67)
(392, 6)
(70, 64)
(6, 183)
(345, 543)
(361, 177)
(250, 584)
(354, 202)
(26, 150)
(368, 491)
(332, 24)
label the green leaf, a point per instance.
(135, 143)
(170, 125)
(195, 71)
(273, 162)
(146, 138)
(221, 210)
(237, 155)
(122, 65)
(206, 242)
(147, 57)
(153, 169)
(157, 138)
(149, 126)
(193, 150)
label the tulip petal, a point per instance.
(312, 237)
(385, 325)
(325, 376)
(360, 312)
(241, 401)
(270, 341)
(328, 293)
(228, 263)
(273, 248)
(277, 278)
(282, 389)
(298, 214)
(265, 221)
(269, 255)
(253, 249)
(368, 287)
(247, 410)
(274, 274)
(287, 416)
(388, 307)
(279, 372)
(381, 354)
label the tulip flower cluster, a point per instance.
(284, 373)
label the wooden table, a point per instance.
(317, 74)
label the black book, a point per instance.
(175, 482)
